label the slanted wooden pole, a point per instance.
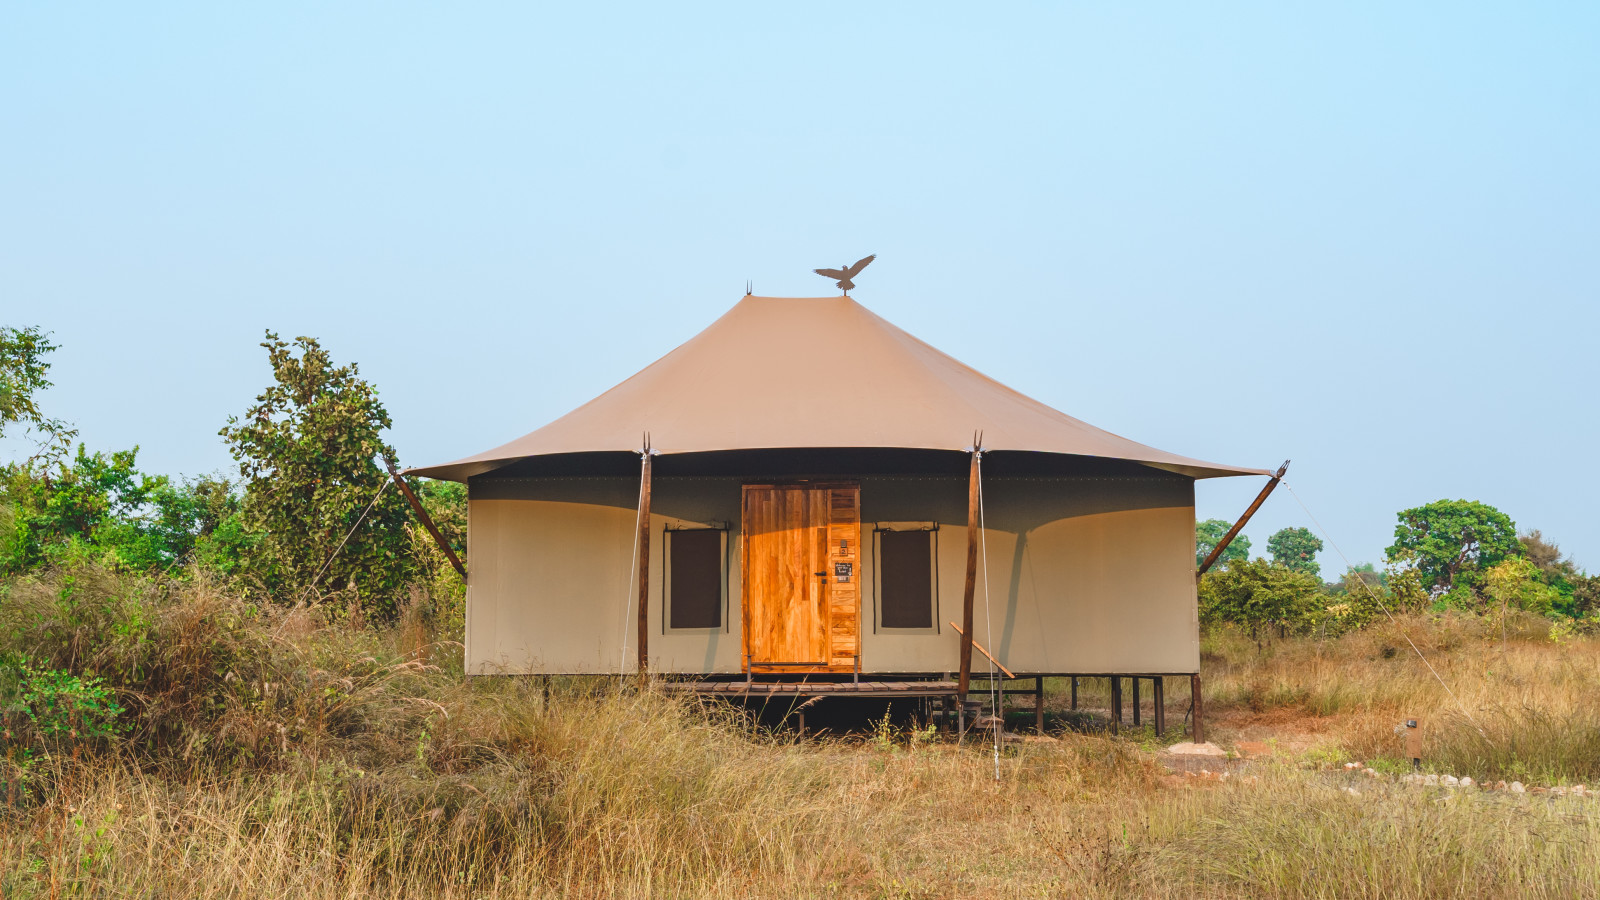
(990, 656)
(972, 574)
(644, 566)
(426, 520)
(1198, 717)
(1158, 684)
(1233, 532)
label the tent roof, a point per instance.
(816, 372)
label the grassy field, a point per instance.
(283, 754)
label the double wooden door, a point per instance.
(802, 577)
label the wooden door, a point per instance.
(802, 574)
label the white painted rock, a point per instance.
(1450, 781)
(1517, 788)
(1190, 748)
(1467, 781)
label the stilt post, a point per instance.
(1158, 684)
(1198, 717)
(1074, 693)
(1136, 705)
(972, 572)
(1038, 703)
(1116, 704)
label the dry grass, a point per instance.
(362, 772)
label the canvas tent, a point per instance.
(808, 506)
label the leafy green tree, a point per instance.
(1297, 549)
(100, 505)
(1208, 533)
(22, 378)
(1257, 595)
(309, 451)
(1451, 542)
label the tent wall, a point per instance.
(1084, 574)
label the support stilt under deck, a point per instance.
(1038, 703)
(1159, 685)
(1116, 704)
(1197, 720)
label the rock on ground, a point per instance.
(1190, 748)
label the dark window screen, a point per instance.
(695, 594)
(905, 578)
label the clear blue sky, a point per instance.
(1361, 236)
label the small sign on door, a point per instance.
(841, 571)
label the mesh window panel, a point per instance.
(695, 594)
(906, 579)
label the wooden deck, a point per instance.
(878, 690)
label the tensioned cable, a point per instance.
(329, 561)
(1392, 620)
(988, 626)
(633, 567)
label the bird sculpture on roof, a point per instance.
(846, 273)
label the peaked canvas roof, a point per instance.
(817, 372)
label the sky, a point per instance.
(1359, 236)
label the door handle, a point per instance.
(821, 574)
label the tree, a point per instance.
(1208, 533)
(308, 451)
(100, 505)
(22, 378)
(1297, 549)
(1255, 594)
(1451, 542)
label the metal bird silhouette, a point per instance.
(846, 273)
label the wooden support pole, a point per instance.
(1233, 532)
(1159, 685)
(644, 565)
(1074, 692)
(1136, 704)
(1197, 720)
(1038, 703)
(1116, 704)
(426, 520)
(972, 574)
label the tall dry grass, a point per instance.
(1526, 709)
(290, 754)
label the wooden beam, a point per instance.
(1074, 692)
(1137, 706)
(426, 520)
(1233, 532)
(1197, 720)
(998, 664)
(644, 565)
(972, 573)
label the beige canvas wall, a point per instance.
(1084, 574)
